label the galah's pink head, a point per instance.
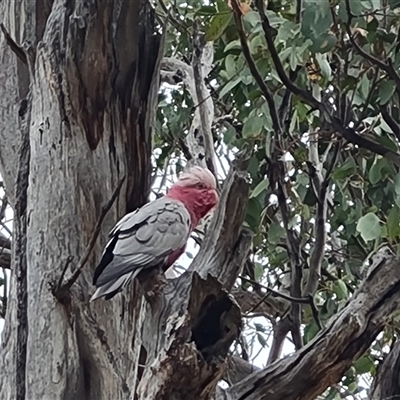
(197, 189)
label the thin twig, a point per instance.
(253, 68)
(372, 89)
(388, 68)
(63, 289)
(63, 272)
(393, 125)
(276, 293)
(299, 7)
(314, 312)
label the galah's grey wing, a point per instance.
(142, 239)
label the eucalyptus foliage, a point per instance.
(345, 54)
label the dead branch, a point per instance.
(199, 145)
(224, 251)
(201, 65)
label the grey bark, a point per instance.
(92, 86)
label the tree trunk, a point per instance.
(85, 122)
(92, 69)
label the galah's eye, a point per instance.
(200, 185)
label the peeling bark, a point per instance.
(199, 323)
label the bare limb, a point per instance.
(238, 369)
(59, 290)
(224, 251)
(393, 125)
(195, 149)
(318, 253)
(281, 330)
(202, 52)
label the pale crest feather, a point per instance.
(197, 175)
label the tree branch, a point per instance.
(388, 68)
(238, 369)
(348, 133)
(318, 253)
(203, 54)
(346, 337)
(253, 68)
(224, 251)
(199, 144)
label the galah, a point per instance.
(155, 235)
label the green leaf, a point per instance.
(261, 187)
(386, 90)
(189, 255)
(310, 331)
(375, 174)
(275, 233)
(345, 170)
(324, 65)
(252, 17)
(258, 271)
(229, 135)
(340, 289)
(261, 339)
(253, 127)
(397, 184)
(205, 10)
(369, 227)
(393, 223)
(229, 86)
(363, 365)
(235, 44)
(253, 215)
(218, 25)
(353, 387)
